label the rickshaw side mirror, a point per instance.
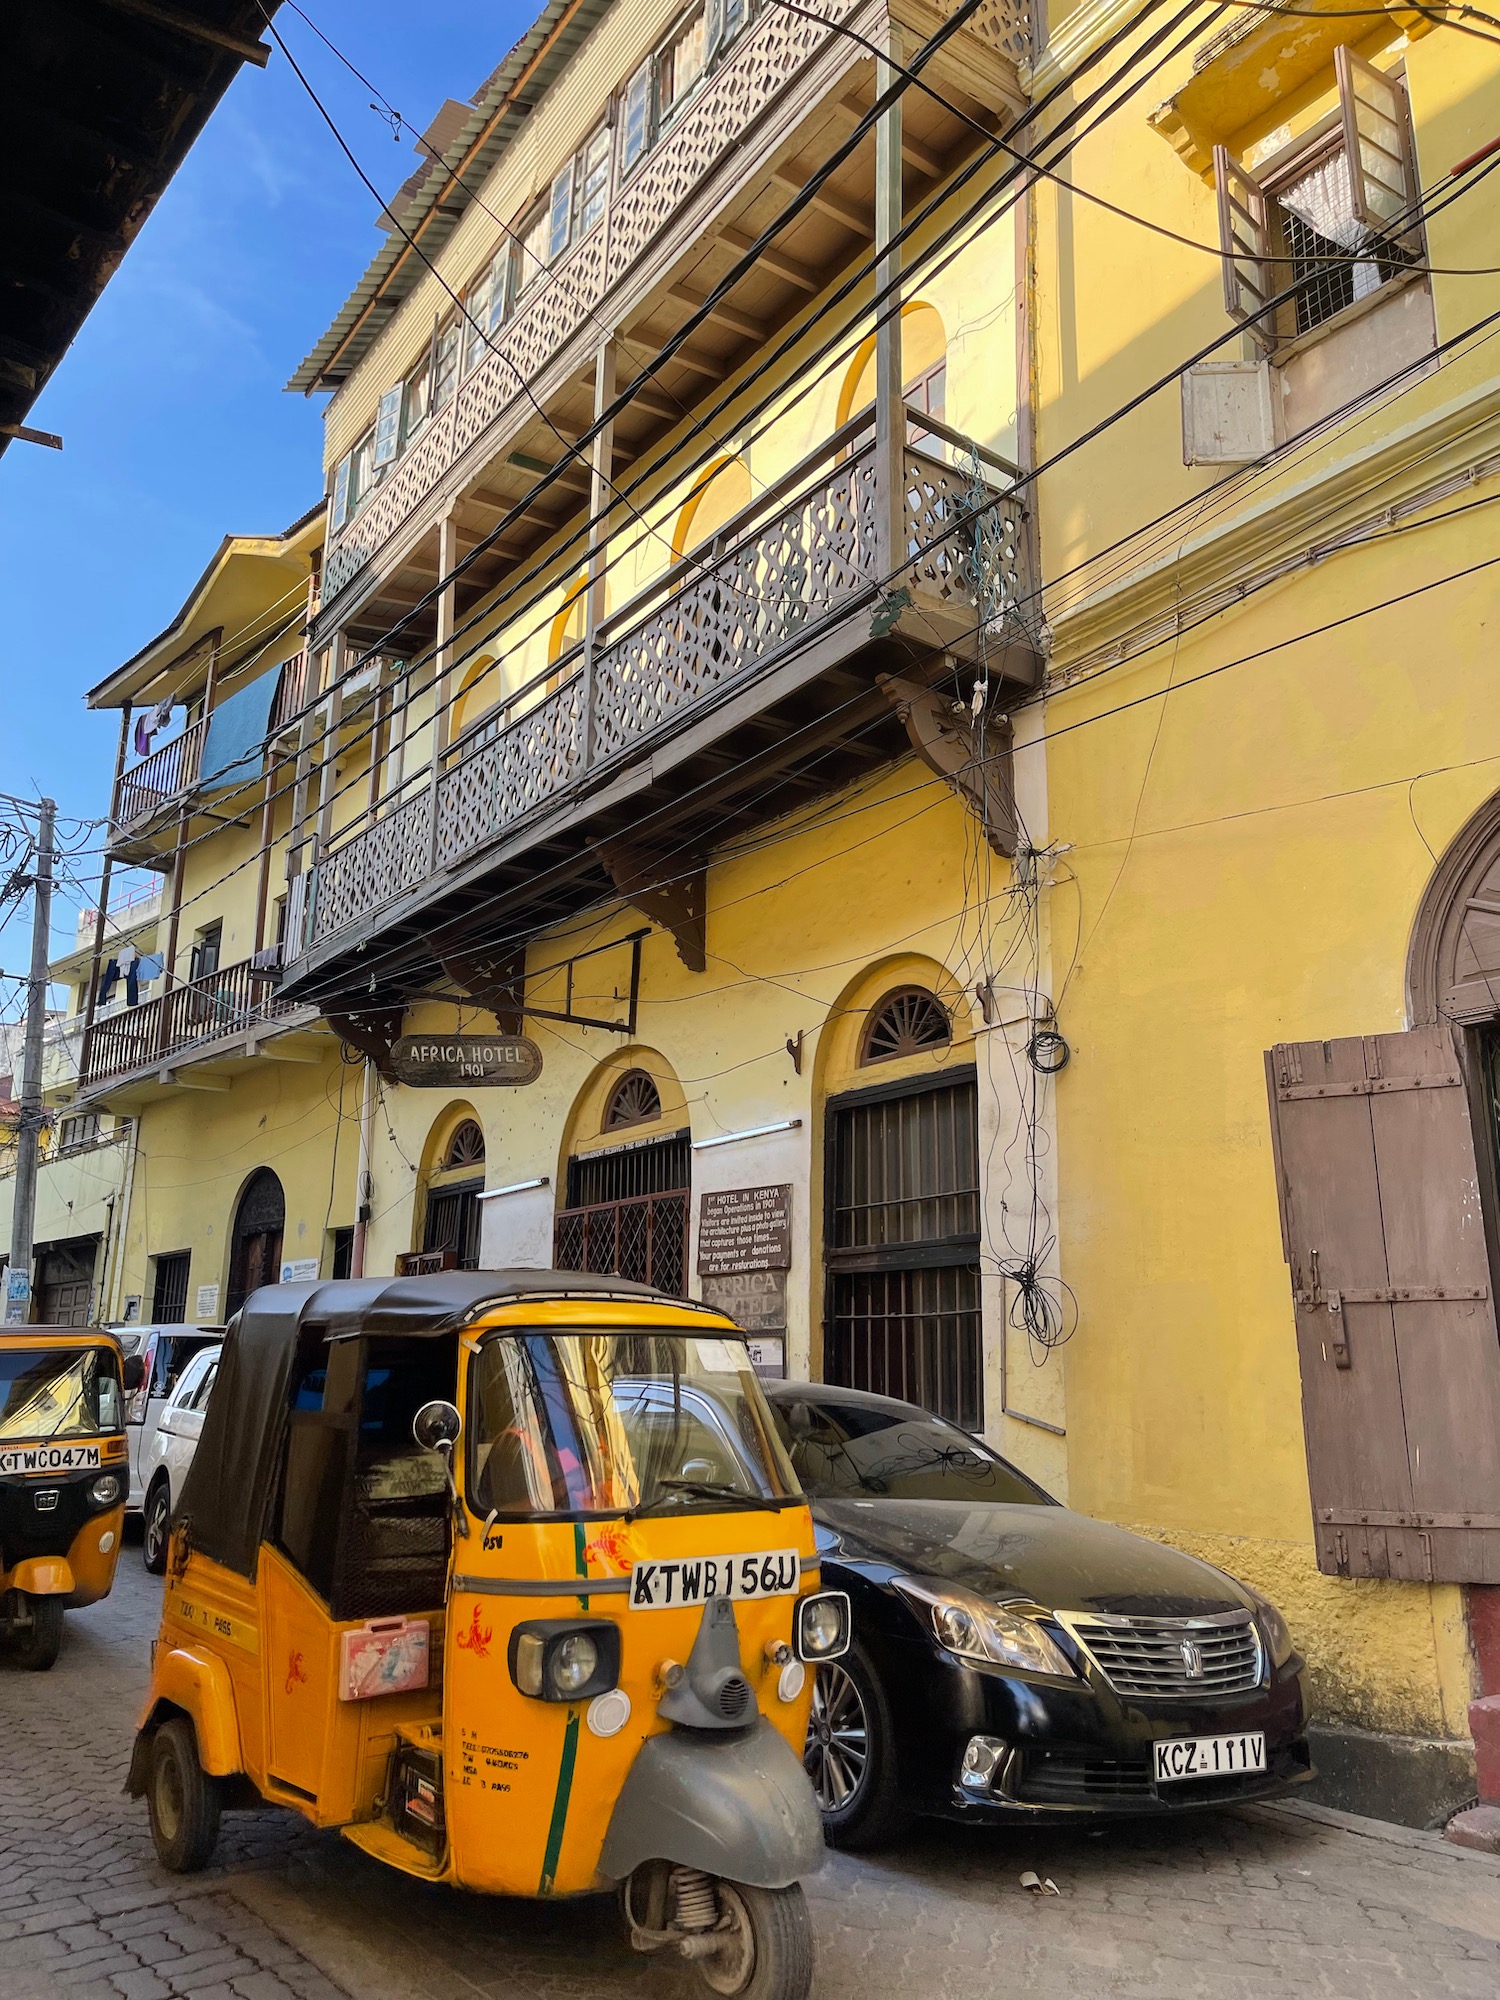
(435, 1425)
(134, 1373)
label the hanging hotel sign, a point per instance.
(446, 1062)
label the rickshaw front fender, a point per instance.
(738, 1806)
(43, 1576)
(198, 1686)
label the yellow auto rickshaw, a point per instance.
(505, 1576)
(64, 1468)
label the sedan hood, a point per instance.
(1058, 1559)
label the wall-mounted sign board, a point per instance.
(754, 1300)
(745, 1229)
(449, 1062)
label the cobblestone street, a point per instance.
(1258, 1902)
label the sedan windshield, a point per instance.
(59, 1392)
(843, 1451)
(621, 1423)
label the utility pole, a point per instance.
(23, 1218)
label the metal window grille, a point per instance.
(169, 1288)
(644, 1238)
(903, 1308)
(452, 1223)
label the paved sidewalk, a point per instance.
(1242, 1905)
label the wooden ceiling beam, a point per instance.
(841, 210)
(726, 315)
(773, 260)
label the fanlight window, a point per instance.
(466, 1147)
(906, 1021)
(635, 1100)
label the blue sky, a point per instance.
(176, 429)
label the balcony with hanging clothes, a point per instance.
(736, 214)
(781, 657)
(219, 1016)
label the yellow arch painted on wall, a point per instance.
(584, 1125)
(717, 496)
(478, 692)
(924, 342)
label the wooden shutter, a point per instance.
(1245, 241)
(388, 425)
(341, 494)
(1377, 141)
(1396, 1331)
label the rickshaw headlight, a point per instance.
(565, 1659)
(823, 1625)
(105, 1490)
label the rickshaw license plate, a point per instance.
(662, 1586)
(1210, 1756)
(50, 1458)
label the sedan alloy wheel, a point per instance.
(837, 1757)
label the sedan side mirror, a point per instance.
(134, 1374)
(436, 1424)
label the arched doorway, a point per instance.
(627, 1176)
(453, 1182)
(901, 1222)
(255, 1242)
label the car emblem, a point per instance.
(46, 1500)
(1192, 1659)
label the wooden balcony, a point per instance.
(156, 781)
(732, 687)
(780, 105)
(188, 1017)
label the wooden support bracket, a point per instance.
(494, 980)
(372, 1034)
(679, 905)
(944, 736)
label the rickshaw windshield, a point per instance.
(48, 1392)
(621, 1423)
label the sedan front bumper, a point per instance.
(1078, 1747)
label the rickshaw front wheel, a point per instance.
(38, 1644)
(767, 1948)
(182, 1799)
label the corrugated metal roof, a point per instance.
(435, 201)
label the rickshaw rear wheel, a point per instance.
(768, 1948)
(182, 1799)
(38, 1644)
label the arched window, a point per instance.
(466, 1147)
(635, 1100)
(478, 691)
(721, 494)
(924, 367)
(904, 1023)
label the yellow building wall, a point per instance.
(1243, 858)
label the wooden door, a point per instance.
(1383, 1229)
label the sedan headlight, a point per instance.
(565, 1659)
(105, 1490)
(1273, 1627)
(975, 1629)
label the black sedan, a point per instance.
(1013, 1659)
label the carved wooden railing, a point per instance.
(796, 558)
(146, 787)
(291, 693)
(772, 51)
(235, 997)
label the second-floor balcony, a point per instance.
(742, 679)
(236, 1001)
(672, 232)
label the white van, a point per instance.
(165, 1351)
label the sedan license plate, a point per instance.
(50, 1458)
(662, 1586)
(1209, 1756)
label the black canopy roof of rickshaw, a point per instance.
(231, 1485)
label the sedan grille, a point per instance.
(1174, 1656)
